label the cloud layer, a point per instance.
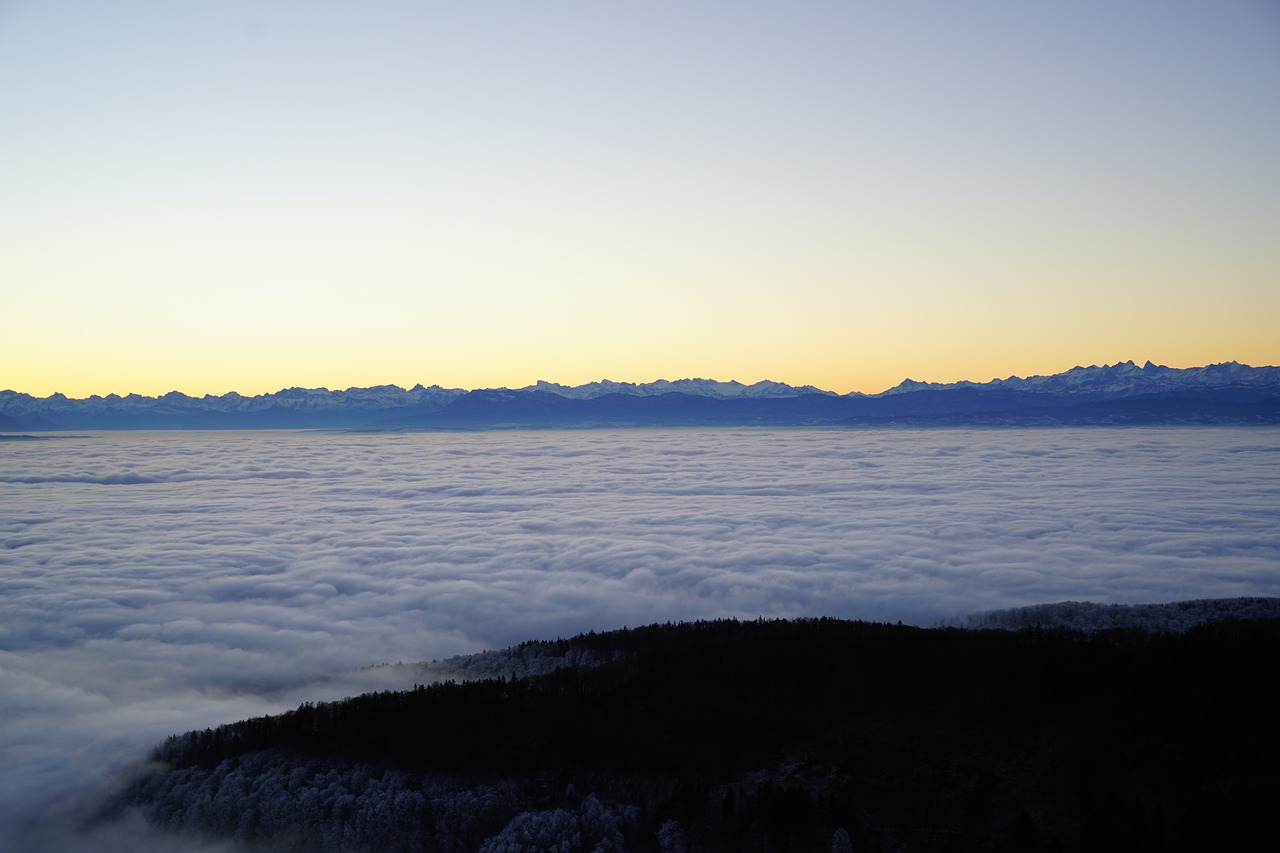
(154, 582)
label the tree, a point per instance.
(671, 838)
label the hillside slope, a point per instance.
(771, 736)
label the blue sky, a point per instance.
(248, 196)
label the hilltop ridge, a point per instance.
(772, 735)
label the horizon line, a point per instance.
(1148, 364)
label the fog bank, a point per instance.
(156, 582)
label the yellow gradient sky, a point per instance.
(254, 195)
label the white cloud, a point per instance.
(154, 582)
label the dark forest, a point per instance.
(806, 735)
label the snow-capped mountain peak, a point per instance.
(1228, 392)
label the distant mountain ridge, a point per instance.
(1121, 377)
(693, 387)
(1123, 393)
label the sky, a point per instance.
(154, 582)
(250, 196)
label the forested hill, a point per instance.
(801, 735)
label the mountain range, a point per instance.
(1120, 394)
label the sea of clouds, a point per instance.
(154, 582)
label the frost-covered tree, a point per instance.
(605, 825)
(554, 831)
(671, 838)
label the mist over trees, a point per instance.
(800, 735)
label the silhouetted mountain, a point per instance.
(289, 408)
(1123, 393)
(691, 387)
(1122, 378)
(773, 736)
